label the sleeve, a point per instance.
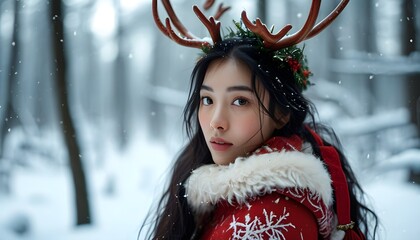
(272, 216)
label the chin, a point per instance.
(223, 162)
(219, 161)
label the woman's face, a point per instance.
(230, 117)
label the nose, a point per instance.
(219, 119)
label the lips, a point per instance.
(219, 144)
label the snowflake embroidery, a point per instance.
(313, 201)
(271, 226)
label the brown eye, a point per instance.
(206, 101)
(240, 102)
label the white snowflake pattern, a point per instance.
(271, 226)
(324, 215)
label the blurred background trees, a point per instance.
(127, 83)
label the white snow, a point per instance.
(120, 194)
(397, 204)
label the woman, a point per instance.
(256, 166)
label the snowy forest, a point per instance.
(92, 94)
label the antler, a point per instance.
(187, 38)
(220, 11)
(278, 40)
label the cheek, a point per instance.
(249, 125)
(202, 119)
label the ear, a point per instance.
(282, 120)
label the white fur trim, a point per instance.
(337, 235)
(257, 175)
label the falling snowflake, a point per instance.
(257, 228)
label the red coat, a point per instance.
(280, 192)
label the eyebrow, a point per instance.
(229, 89)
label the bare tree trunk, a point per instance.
(410, 39)
(10, 114)
(413, 83)
(70, 136)
(10, 119)
(120, 82)
(262, 10)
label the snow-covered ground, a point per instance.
(40, 206)
(397, 204)
(121, 187)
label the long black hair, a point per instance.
(173, 218)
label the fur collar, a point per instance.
(257, 175)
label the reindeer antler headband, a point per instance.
(284, 45)
(272, 41)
